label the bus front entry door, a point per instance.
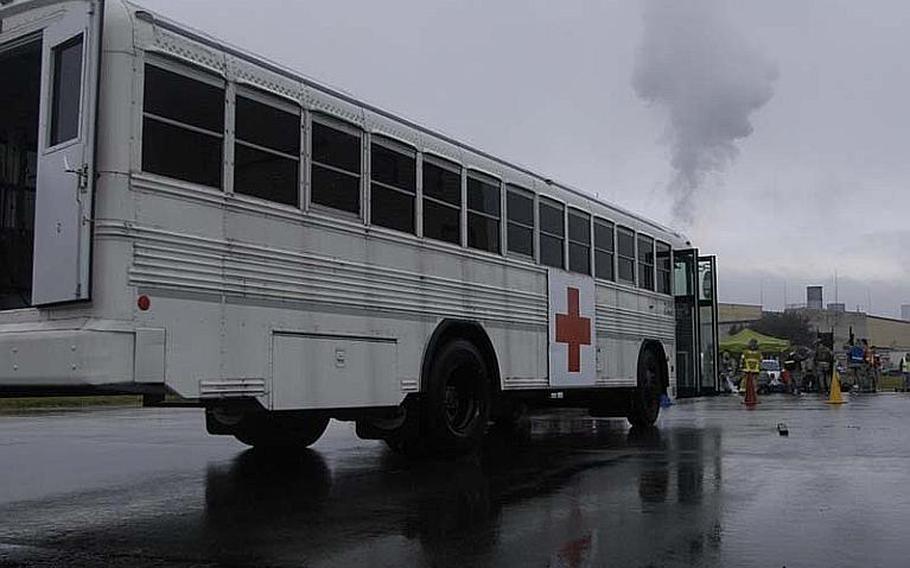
(685, 286)
(707, 321)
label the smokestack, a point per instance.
(814, 299)
(709, 79)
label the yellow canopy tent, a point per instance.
(736, 344)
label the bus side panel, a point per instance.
(625, 319)
(522, 355)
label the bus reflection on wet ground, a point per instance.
(715, 485)
(575, 491)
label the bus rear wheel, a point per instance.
(457, 404)
(645, 405)
(268, 431)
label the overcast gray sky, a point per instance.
(785, 120)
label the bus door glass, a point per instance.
(687, 326)
(70, 55)
(707, 317)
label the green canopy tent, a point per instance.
(736, 344)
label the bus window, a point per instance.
(335, 168)
(603, 249)
(441, 200)
(552, 233)
(267, 152)
(705, 280)
(663, 267)
(182, 126)
(67, 91)
(625, 239)
(682, 275)
(645, 262)
(484, 212)
(393, 185)
(579, 242)
(520, 212)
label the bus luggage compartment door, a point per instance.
(313, 371)
(63, 202)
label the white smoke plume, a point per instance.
(708, 79)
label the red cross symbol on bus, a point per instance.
(573, 329)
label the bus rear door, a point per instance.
(67, 36)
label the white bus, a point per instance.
(187, 221)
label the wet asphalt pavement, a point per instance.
(715, 485)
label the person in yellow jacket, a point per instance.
(751, 366)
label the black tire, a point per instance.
(267, 431)
(646, 398)
(405, 439)
(457, 404)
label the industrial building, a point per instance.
(889, 336)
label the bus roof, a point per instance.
(210, 41)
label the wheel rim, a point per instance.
(461, 400)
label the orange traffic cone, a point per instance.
(835, 397)
(751, 396)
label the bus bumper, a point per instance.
(53, 357)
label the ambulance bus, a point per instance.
(189, 222)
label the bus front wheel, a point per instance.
(645, 405)
(457, 404)
(267, 431)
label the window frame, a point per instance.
(308, 117)
(276, 101)
(642, 263)
(401, 147)
(532, 197)
(497, 183)
(541, 233)
(455, 167)
(54, 86)
(195, 73)
(579, 213)
(612, 252)
(331, 121)
(619, 256)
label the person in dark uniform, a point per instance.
(905, 370)
(824, 360)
